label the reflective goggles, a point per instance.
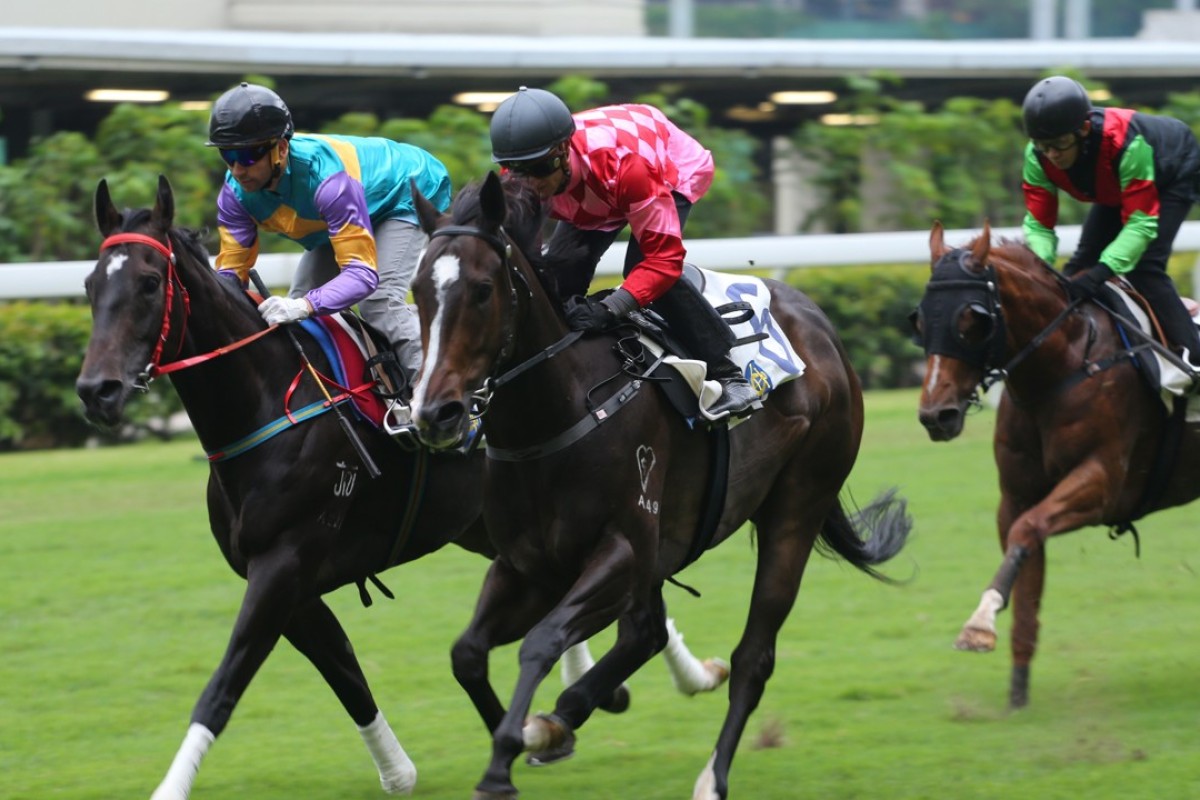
(534, 169)
(247, 156)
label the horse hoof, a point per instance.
(480, 794)
(552, 755)
(976, 640)
(618, 703)
(548, 739)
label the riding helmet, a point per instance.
(1054, 107)
(246, 115)
(528, 124)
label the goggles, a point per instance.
(534, 169)
(1054, 145)
(247, 156)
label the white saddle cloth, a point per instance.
(766, 363)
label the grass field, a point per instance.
(115, 607)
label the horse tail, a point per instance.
(886, 523)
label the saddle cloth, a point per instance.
(766, 363)
(343, 347)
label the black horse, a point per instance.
(294, 514)
(595, 486)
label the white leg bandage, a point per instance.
(397, 773)
(689, 674)
(576, 661)
(177, 785)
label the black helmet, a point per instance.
(528, 124)
(1054, 107)
(247, 115)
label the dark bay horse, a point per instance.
(589, 524)
(1078, 431)
(294, 515)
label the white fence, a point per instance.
(64, 279)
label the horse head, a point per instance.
(467, 291)
(960, 325)
(130, 310)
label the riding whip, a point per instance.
(359, 447)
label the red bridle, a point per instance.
(153, 369)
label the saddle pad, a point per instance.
(348, 357)
(765, 363)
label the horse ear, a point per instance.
(983, 246)
(108, 219)
(491, 201)
(937, 243)
(427, 215)
(163, 215)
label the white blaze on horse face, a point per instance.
(446, 271)
(935, 366)
(115, 263)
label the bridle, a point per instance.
(482, 397)
(947, 295)
(155, 368)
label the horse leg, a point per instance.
(783, 553)
(1075, 501)
(272, 586)
(316, 633)
(506, 609)
(598, 597)
(689, 674)
(640, 634)
(577, 661)
(1026, 602)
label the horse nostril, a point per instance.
(98, 392)
(948, 417)
(449, 413)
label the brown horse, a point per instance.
(1078, 432)
(595, 486)
(292, 513)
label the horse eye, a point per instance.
(482, 292)
(974, 325)
(149, 284)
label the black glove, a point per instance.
(589, 314)
(1088, 283)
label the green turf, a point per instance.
(115, 607)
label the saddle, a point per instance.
(1166, 378)
(759, 349)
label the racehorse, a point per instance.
(293, 513)
(590, 524)
(1078, 431)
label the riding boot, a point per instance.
(702, 332)
(1179, 328)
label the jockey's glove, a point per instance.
(281, 310)
(1088, 283)
(589, 314)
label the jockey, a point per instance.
(1139, 171)
(345, 199)
(601, 170)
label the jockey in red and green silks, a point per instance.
(1140, 173)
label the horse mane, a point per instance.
(1018, 255)
(523, 222)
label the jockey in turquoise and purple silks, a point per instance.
(345, 199)
(1140, 171)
